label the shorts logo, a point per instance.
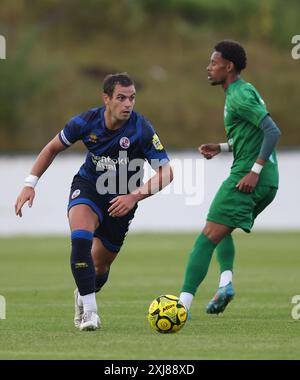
(75, 194)
(125, 142)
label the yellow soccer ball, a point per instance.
(167, 314)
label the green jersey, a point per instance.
(243, 112)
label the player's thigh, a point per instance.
(82, 217)
(112, 231)
(102, 257)
(231, 207)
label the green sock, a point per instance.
(198, 264)
(225, 253)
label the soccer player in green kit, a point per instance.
(253, 181)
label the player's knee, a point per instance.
(101, 268)
(82, 217)
(216, 232)
(212, 235)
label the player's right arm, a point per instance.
(211, 150)
(42, 162)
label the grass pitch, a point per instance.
(37, 283)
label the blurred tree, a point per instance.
(164, 44)
(19, 81)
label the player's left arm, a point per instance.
(271, 136)
(122, 204)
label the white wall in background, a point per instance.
(197, 180)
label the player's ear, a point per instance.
(230, 67)
(105, 98)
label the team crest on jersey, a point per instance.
(93, 138)
(156, 142)
(125, 142)
(75, 194)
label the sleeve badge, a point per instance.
(156, 142)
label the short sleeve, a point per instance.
(249, 106)
(72, 131)
(152, 148)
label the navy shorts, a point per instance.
(111, 231)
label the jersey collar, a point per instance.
(233, 85)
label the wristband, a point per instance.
(256, 168)
(31, 181)
(224, 147)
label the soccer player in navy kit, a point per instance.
(106, 190)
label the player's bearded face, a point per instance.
(217, 69)
(121, 104)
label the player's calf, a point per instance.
(100, 281)
(81, 261)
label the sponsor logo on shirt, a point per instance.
(156, 142)
(125, 142)
(108, 163)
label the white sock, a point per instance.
(226, 278)
(89, 302)
(79, 300)
(186, 299)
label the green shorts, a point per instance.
(235, 209)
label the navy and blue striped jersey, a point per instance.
(111, 152)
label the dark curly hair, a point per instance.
(234, 52)
(111, 80)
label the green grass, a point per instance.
(36, 281)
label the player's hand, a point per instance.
(27, 194)
(248, 183)
(122, 204)
(209, 150)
